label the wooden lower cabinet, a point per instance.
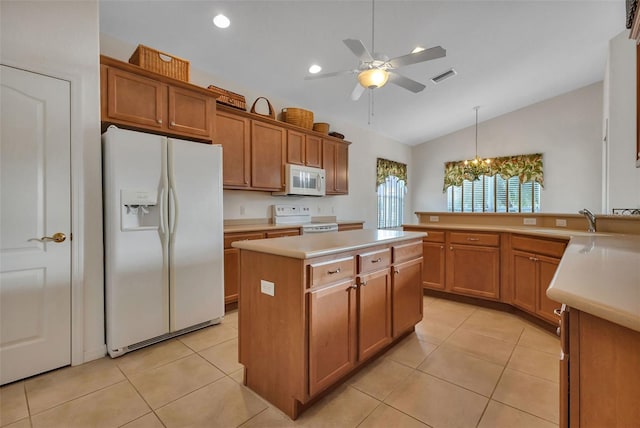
(327, 316)
(332, 334)
(433, 275)
(231, 274)
(342, 227)
(603, 368)
(473, 270)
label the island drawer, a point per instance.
(434, 236)
(471, 238)
(331, 271)
(539, 246)
(404, 252)
(374, 260)
(230, 238)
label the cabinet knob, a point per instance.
(159, 121)
(173, 123)
(363, 283)
(451, 248)
(441, 246)
(396, 271)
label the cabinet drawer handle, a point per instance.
(352, 287)
(378, 260)
(331, 272)
(396, 271)
(558, 330)
(558, 312)
(533, 259)
(363, 283)
(473, 239)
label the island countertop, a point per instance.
(324, 244)
(600, 275)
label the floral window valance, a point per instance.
(386, 168)
(525, 167)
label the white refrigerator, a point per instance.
(163, 237)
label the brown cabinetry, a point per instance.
(268, 144)
(335, 161)
(136, 98)
(303, 149)
(233, 132)
(433, 250)
(232, 263)
(473, 264)
(534, 262)
(342, 227)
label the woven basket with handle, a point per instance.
(298, 116)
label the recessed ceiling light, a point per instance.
(417, 49)
(315, 68)
(221, 21)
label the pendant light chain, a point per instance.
(476, 108)
(373, 26)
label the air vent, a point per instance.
(439, 78)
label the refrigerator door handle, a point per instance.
(173, 200)
(163, 229)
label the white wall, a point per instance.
(622, 181)
(60, 38)
(359, 204)
(566, 129)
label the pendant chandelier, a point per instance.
(477, 167)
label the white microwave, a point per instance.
(303, 180)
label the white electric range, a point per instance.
(300, 215)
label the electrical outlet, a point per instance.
(560, 222)
(529, 221)
(434, 218)
(267, 287)
(241, 209)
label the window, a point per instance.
(391, 184)
(507, 184)
(494, 194)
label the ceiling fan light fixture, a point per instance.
(314, 69)
(418, 49)
(373, 78)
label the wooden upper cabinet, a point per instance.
(268, 154)
(132, 99)
(335, 160)
(313, 151)
(233, 132)
(191, 112)
(295, 147)
(135, 98)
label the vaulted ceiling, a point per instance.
(508, 54)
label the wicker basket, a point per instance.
(160, 62)
(298, 116)
(230, 98)
(321, 127)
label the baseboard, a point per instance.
(95, 354)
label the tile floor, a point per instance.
(464, 366)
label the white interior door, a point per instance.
(35, 273)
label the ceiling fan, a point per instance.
(374, 72)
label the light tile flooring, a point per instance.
(464, 366)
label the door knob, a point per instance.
(57, 238)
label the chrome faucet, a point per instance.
(590, 217)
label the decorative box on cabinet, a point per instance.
(136, 98)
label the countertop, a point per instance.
(600, 275)
(270, 226)
(323, 244)
(547, 232)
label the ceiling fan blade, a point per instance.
(412, 58)
(332, 74)
(358, 49)
(357, 92)
(405, 82)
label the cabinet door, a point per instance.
(407, 295)
(268, 144)
(231, 274)
(295, 147)
(234, 134)
(134, 99)
(525, 280)
(374, 313)
(191, 112)
(313, 151)
(342, 169)
(281, 233)
(474, 270)
(332, 334)
(546, 269)
(329, 165)
(433, 272)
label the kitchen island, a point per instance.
(315, 308)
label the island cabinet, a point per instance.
(533, 263)
(433, 250)
(599, 372)
(473, 264)
(307, 323)
(136, 98)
